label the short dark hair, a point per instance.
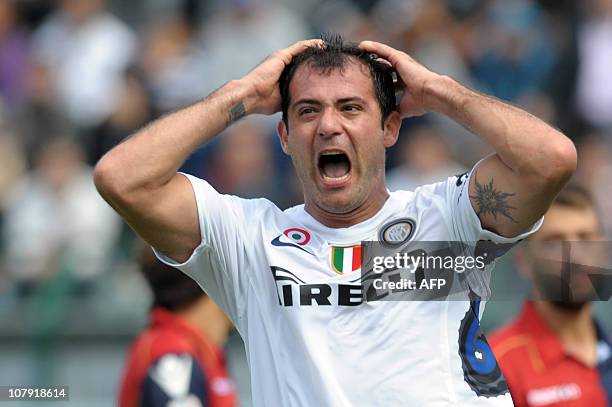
(171, 288)
(335, 54)
(576, 196)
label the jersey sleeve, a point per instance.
(221, 262)
(174, 379)
(452, 200)
(463, 221)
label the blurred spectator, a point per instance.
(429, 36)
(346, 18)
(516, 50)
(179, 358)
(174, 66)
(244, 164)
(244, 32)
(40, 119)
(563, 17)
(595, 171)
(14, 50)
(56, 221)
(13, 163)
(438, 41)
(594, 83)
(132, 111)
(540, 105)
(87, 50)
(555, 353)
(425, 159)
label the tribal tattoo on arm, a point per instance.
(236, 113)
(491, 201)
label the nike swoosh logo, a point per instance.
(276, 242)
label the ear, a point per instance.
(391, 129)
(283, 135)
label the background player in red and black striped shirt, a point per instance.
(179, 358)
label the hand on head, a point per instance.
(412, 78)
(265, 76)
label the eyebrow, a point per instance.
(306, 102)
(318, 103)
(352, 99)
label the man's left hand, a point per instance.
(413, 78)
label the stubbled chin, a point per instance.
(338, 201)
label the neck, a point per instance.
(208, 318)
(575, 329)
(363, 212)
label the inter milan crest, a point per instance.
(397, 231)
(346, 259)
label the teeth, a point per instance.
(342, 178)
(332, 153)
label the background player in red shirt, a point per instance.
(555, 353)
(179, 357)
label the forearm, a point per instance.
(512, 188)
(150, 158)
(524, 143)
(139, 177)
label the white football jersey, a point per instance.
(292, 287)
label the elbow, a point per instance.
(104, 177)
(117, 183)
(566, 158)
(562, 160)
(108, 180)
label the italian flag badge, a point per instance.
(346, 259)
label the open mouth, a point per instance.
(334, 166)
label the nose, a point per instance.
(329, 123)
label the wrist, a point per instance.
(441, 94)
(242, 91)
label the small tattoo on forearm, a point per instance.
(237, 112)
(491, 201)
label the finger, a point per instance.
(287, 54)
(301, 46)
(383, 51)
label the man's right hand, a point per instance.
(139, 177)
(263, 79)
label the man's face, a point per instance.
(569, 224)
(335, 137)
(566, 252)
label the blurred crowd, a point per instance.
(79, 76)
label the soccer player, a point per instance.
(555, 353)
(287, 278)
(178, 360)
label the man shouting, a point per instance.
(289, 280)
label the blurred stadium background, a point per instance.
(78, 76)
